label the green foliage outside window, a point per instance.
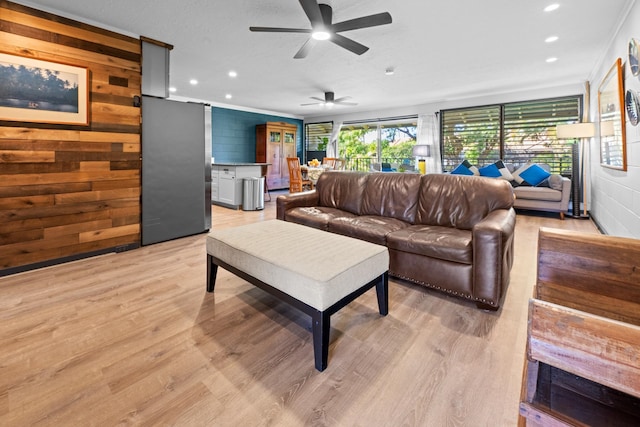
(360, 146)
(518, 133)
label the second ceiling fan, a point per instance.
(320, 16)
(330, 100)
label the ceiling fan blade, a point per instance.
(306, 47)
(279, 30)
(316, 98)
(364, 22)
(312, 10)
(349, 44)
(344, 98)
(312, 103)
(345, 103)
(327, 14)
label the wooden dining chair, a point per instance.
(339, 164)
(296, 183)
(331, 161)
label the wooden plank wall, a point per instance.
(68, 191)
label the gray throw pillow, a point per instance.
(555, 182)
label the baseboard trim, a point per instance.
(70, 258)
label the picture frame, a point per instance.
(33, 90)
(611, 116)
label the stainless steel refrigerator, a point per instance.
(176, 169)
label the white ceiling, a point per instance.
(440, 51)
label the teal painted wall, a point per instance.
(234, 134)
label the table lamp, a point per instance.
(421, 151)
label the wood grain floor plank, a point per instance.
(133, 339)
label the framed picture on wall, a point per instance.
(32, 90)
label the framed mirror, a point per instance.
(613, 147)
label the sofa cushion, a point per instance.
(399, 198)
(538, 193)
(315, 216)
(460, 201)
(530, 173)
(490, 171)
(555, 182)
(371, 228)
(497, 169)
(433, 241)
(465, 168)
(341, 190)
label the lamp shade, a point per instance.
(421, 150)
(576, 130)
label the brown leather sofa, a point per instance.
(449, 232)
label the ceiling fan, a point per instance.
(322, 28)
(329, 100)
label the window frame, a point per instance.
(378, 126)
(549, 111)
(308, 135)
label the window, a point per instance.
(372, 145)
(517, 132)
(317, 136)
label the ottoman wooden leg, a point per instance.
(382, 291)
(212, 271)
(321, 324)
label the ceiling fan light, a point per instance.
(321, 35)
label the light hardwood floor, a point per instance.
(133, 339)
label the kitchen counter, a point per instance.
(239, 164)
(226, 181)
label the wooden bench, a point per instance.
(582, 364)
(314, 271)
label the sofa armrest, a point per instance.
(566, 191)
(295, 200)
(493, 255)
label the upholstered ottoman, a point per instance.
(312, 270)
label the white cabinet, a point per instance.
(226, 182)
(215, 174)
(227, 186)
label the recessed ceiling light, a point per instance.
(172, 89)
(552, 59)
(228, 96)
(551, 39)
(193, 81)
(233, 74)
(389, 71)
(551, 7)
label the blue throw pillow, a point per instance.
(534, 175)
(491, 171)
(465, 168)
(504, 170)
(517, 180)
(461, 170)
